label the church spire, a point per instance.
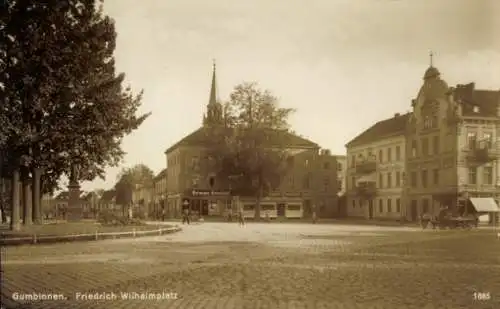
(214, 115)
(213, 90)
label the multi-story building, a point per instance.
(312, 179)
(452, 145)
(442, 153)
(375, 171)
(159, 192)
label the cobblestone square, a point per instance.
(222, 265)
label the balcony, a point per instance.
(366, 167)
(482, 152)
(366, 189)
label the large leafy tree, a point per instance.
(129, 179)
(64, 102)
(250, 148)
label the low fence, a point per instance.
(38, 239)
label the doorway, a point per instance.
(414, 210)
(280, 211)
(204, 208)
(370, 209)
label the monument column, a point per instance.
(74, 211)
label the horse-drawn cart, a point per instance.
(446, 219)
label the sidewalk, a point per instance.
(78, 231)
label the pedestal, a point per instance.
(74, 211)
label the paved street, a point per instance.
(222, 265)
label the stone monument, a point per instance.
(74, 211)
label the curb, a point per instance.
(33, 240)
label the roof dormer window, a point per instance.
(475, 109)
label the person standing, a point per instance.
(185, 216)
(241, 217)
(314, 218)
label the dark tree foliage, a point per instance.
(250, 149)
(129, 179)
(62, 101)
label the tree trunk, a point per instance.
(36, 188)
(3, 209)
(14, 217)
(27, 207)
(257, 204)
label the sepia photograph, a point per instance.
(328, 154)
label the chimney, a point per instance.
(397, 115)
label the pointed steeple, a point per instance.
(214, 115)
(213, 89)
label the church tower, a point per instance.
(214, 114)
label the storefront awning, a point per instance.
(484, 204)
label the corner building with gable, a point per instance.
(313, 180)
(441, 154)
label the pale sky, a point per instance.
(343, 64)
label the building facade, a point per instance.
(376, 170)
(439, 155)
(312, 180)
(453, 145)
(160, 194)
(142, 201)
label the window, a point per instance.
(267, 207)
(380, 206)
(306, 182)
(389, 205)
(424, 178)
(435, 144)
(487, 138)
(339, 184)
(353, 161)
(290, 161)
(425, 146)
(339, 166)
(414, 151)
(403, 179)
(398, 179)
(389, 154)
(398, 205)
(353, 203)
(472, 175)
(389, 179)
(380, 156)
(487, 175)
(249, 207)
(398, 153)
(471, 140)
(195, 163)
(425, 206)
(435, 176)
(306, 163)
(413, 179)
(326, 165)
(380, 180)
(291, 182)
(293, 207)
(353, 182)
(326, 183)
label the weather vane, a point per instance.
(430, 56)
